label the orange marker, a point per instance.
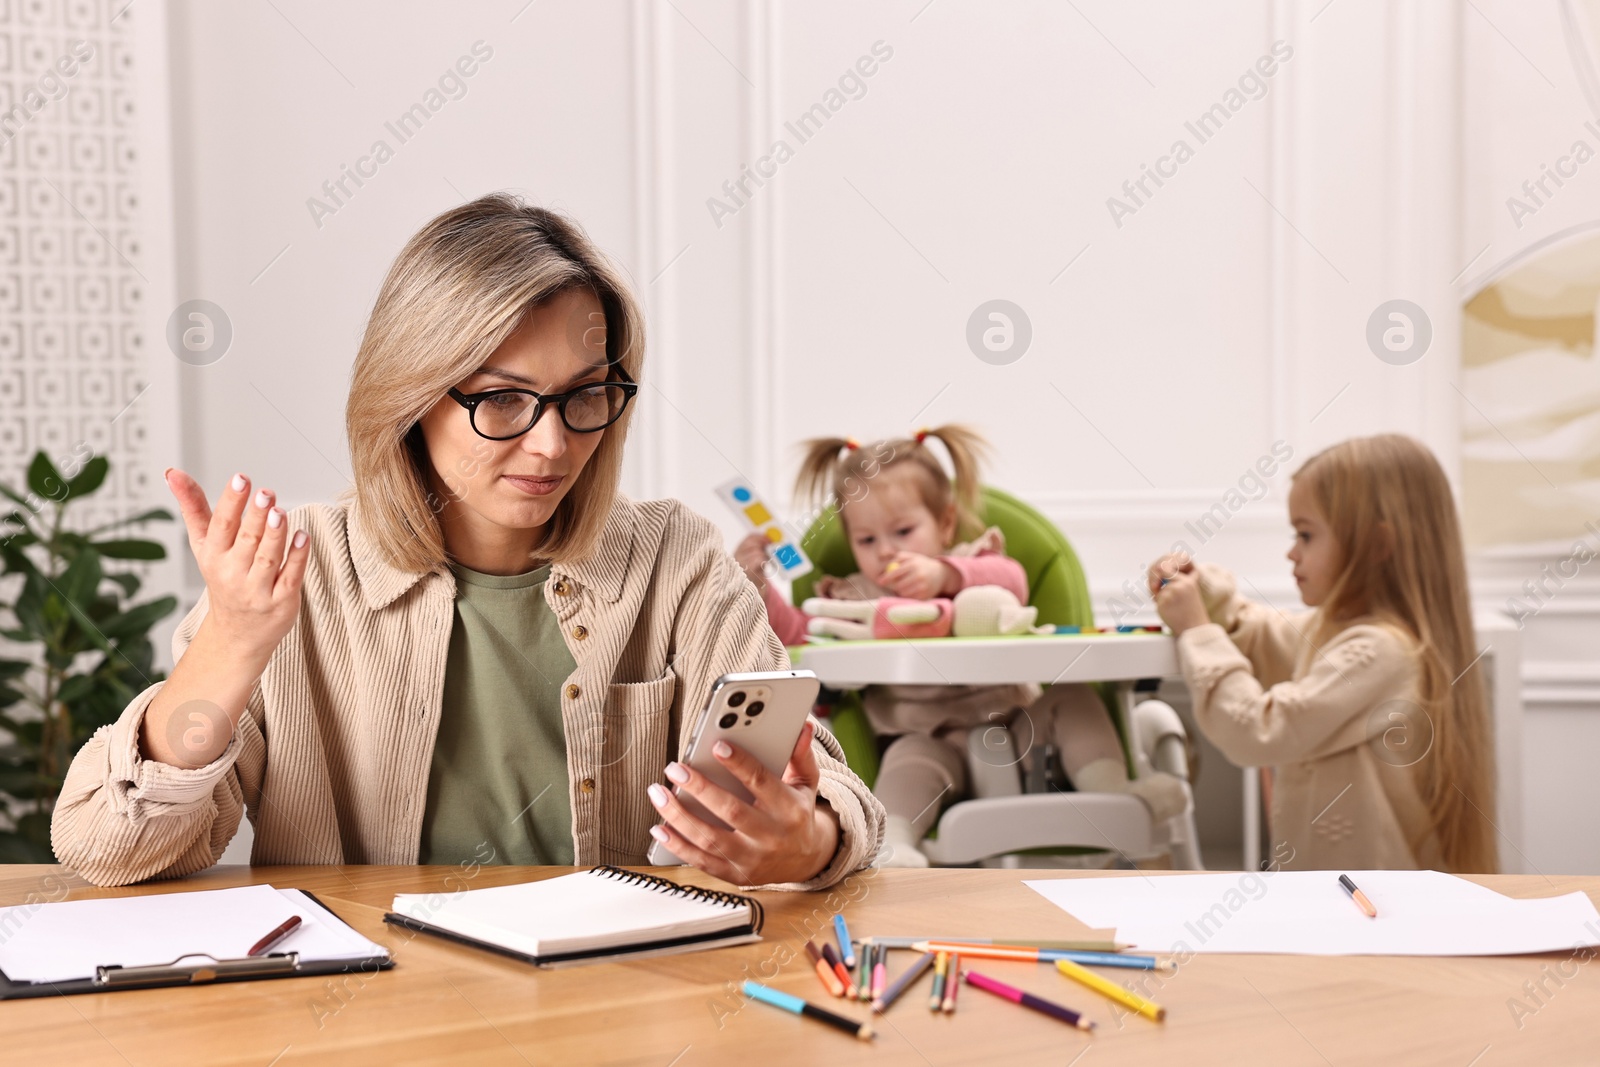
(1358, 896)
(841, 970)
(830, 981)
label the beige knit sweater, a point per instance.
(1340, 723)
(330, 760)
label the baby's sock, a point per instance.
(1162, 793)
(900, 840)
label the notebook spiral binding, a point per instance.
(665, 885)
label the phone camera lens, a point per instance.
(727, 721)
(736, 698)
(755, 708)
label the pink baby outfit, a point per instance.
(927, 759)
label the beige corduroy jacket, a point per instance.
(1340, 722)
(331, 758)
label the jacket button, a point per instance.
(587, 785)
(572, 692)
(580, 632)
(561, 587)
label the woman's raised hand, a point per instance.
(254, 590)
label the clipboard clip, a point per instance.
(206, 968)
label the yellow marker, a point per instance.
(1132, 1001)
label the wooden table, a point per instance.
(445, 1003)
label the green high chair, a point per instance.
(1058, 588)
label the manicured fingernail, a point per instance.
(659, 834)
(300, 539)
(275, 518)
(658, 796)
(238, 483)
(676, 772)
(722, 750)
(262, 499)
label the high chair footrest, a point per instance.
(977, 829)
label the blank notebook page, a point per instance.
(571, 913)
(67, 940)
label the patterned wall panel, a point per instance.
(72, 341)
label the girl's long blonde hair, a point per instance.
(458, 289)
(838, 470)
(1388, 503)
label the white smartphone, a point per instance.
(763, 713)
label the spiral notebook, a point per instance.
(603, 913)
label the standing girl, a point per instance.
(1370, 706)
(915, 533)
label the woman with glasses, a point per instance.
(483, 653)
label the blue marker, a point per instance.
(756, 991)
(847, 949)
(1106, 959)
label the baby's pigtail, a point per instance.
(967, 449)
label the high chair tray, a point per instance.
(1044, 658)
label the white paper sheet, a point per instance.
(68, 939)
(1420, 913)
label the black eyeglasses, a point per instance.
(502, 414)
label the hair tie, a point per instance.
(851, 444)
(921, 434)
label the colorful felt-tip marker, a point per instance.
(1106, 987)
(1080, 945)
(880, 1003)
(830, 981)
(1358, 896)
(950, 984)
(1027, 1000)
(1047, 955)
(864, 972)
(847, 948)
(839, 969)
(880, 970)
(941, 975)
(757, 991)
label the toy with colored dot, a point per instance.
(748, 505)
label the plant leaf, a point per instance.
(138, 619)
(143, 516)
(130, 549)
(44, 479)
(75, 688)
(80, 581)
(89, 478)
(129, 582)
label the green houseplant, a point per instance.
(90, 646)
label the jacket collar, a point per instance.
(602, 571)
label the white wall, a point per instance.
(1227, 313)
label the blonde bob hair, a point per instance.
(457, 290)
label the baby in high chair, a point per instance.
(915, 533)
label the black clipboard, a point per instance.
(196, 969)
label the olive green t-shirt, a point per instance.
(499, 771)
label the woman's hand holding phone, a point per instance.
(782, 835)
